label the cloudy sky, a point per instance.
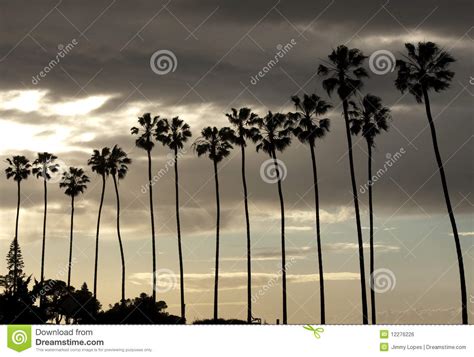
(103, 78)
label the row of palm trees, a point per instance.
(423, 69)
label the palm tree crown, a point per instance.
(309, 125)
(99, 161)
(44, 165)
(145, 132)
(74, 181)
(18, 169)
(118, 162)
(173, 133)
(345, 71)
(274, 133)
(369, 117)
(242, 121)
(214, 142)
(425, 67)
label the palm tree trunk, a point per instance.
(249, 257)
(152, 217)
(15, 252)
(71, 236)
(371, 232)
(44, 228)
(178, 228)
(218, 214)
(96, 265)
(120, 238)
(439, 161)
(283, 249)
(318, 235)
(360, 241)
(43, 248)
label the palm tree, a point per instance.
(99, 165)
(215, 143)
(19, 170)
(424, 69)
(370, 117)
(144, 141)
(241, 121)
(174, 134)
(75, 182)
(275, 136)
(310, 127)
(345, 72)
(117, 163)
(43, 167)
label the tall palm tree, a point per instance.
(345, 72)
(215, 143)
(74, 181)
(426, 68)
(243, 131)
(117, 163)
(43, 167)
(18, 169)
(174, 135)
(275, 136)
(310, 127)
(144, 141)
(99, 164)
(369, 118)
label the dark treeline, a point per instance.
(423, 69)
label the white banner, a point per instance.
(234, 340)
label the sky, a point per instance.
(76, 76)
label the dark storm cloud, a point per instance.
(112, 58)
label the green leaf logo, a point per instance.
(316, 331)
(19, 337)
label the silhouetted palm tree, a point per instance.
(344, 70)
(310, 127)
(174, 134)
(369, 118)
(43, 167)
(275, 136)
(215, 143)
(117, 163)
(19, 170)
(426, 68)
(99, 165)
(144, 141)
(75, 182)
(241, 121)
